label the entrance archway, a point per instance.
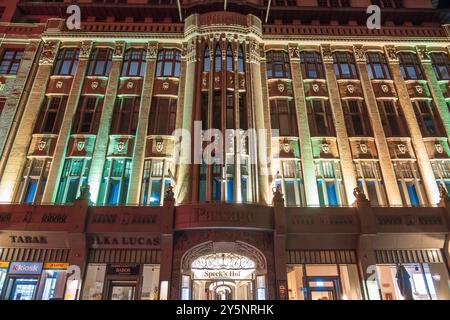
(223, 271)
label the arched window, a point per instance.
(377, 66)
(344, 65)
(134, 63)
(100, 62)
(66, 62)
(229, 59)
(218, 59)
(278, 65)
(312, 67)
(410, 66)
(206, 61)
(168, 64)
(240, 60)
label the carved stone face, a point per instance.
(281, 87)
(315, 87)
(326, 148)
(120, 146)
(159, 146)
(41, 145)
(419, 89)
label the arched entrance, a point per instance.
(223, 271)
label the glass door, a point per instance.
(323, 288)
(122, 290)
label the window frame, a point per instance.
(62, 58)
(119, 113)
(168, 57)
(438, 65)
(275, 113)
(96, 58)
(13, 63)
(325, 113)
(28, 176)
(157, 112)
(129, 59)
(314, 61)
(47, 108)
(83, 109)
(283, 64)
(350, 115)
(339, 62)
(67, 176)
(382, 62)
(433, 113)
(412, 61)
(399, 118)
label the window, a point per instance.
(278, 65)
(240, 60)
(428, 119)
(230, 61)
(126, 115)
(356, 118)
(134, 63)
(312, 67)
(289, 178)
(370, 182)
(88, 115)
(33, 181)
(388, 3)
(206, 61)
(66, 62)
(441, 65)
(168, 64)
(441, 169)
(334, 3)
(377, 66)
(114, 185)
(283, 117)
(410, 66)
(392, 118)
(409, 182)
(50, 117)
(154, 182)
(162, 116)
(100, 62)
(329, 183)
(344, 65)
(320, 118)
(11, 59)
(75, 173)
(218, 59)
(243, 122)
(229, 113)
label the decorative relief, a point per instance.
(281, 87)
(423, 53)
(363, 148)
(48, 53)
(315, 87)
(130, 85)
(439, 148)
(165, 86)
(326, 148)
(392, 53)
(81, 145)
(94, 84)
(360, 53)
(41, 145)
(294, 52)
(254, 51)
(385, 88)
(419, 89)
(85, 49)
(2, 86)
(59, 84)
(119, 50)
(159, 145)
(350, 88)
(401, 148)
(152, 50)
(327, 54)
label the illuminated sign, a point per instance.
(244, 274)
(4, 265)
(25, 268)
(56, 266)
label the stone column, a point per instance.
(186, 105)
(262, 120)
(51, 187)
(309, 172)
(18, 155)
(279, 245)
(435, 88)
(387, 169)
(102, 140)
(141, 132)
(345, 154)
(167, 226)
(423, 160)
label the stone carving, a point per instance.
(165, 86)
(385, 88)
(254, 51)
(48, 53)
(152, 51)
(59, 84)
(130, 85)
(419, 89)
(392, 53)
(94, 84)
(159, 145)
(85, 49)
(170, 195)
(401, 148)
(81, 145)
(326, 148)
(2, 86)
(350, 88)
(360, 53)
(363, 148)
(85, 193)
(120, 146)
(294, 52)
(315, 87)
(423, 53)
(359, 195)
(439, 148)
(281, 87)
(327, 54)
(277, 195)
(286, 147)
(119, 50)
(41, 145)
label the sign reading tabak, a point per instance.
(124, 241)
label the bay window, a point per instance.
(34, 179)
(75, 172)
(115, 182)
(278, 65)
(134, 63)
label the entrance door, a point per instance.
(21, 288)
(323, 288)
(122, 290)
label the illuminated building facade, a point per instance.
(96, 203)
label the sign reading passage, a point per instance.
(25, 268)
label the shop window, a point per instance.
(356, 118)
(240, 60)
(100, 62)
(87, 118)
(33, 181)
(150, 282)
(52, 285)
(441, 65)
(410, 66)
(344, 65)
(289, 178)
(409, 183)
(162, 116)
(278, 65)
(168, 63)
(51, 115)
(206, 60)
(126, 115)
(329, 183)
(283, 117)
(10, 61)
(3, 273)
(377, 66)
(66, 62)
(393, 119)
(154, 182)
(134, 63)
(311, 63)
(370, 181)
(94, 282)
(75, 173)
(320, 118)
(217, 59)
(115, 182)
(428, 118)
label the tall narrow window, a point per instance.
(428, 118)
(312, 67)
(168, 63)
(126, 115)
(162, 116)
(218, 59)
(344, 65)
(240, 60)
(33, 181)
(10, 62)
(283, 117)
(441, 170)
(410, 66)
(134, 63)
(229, 116)
(370, 181)
(216, 187)
(66, 62)
(206, 60)
(100, 62)
(230, 61)
(320, 118)
(87, 118)
(51, 114)
(75, 173)
(278, 65)
(356, 118)
(409, 183)
(377, 66)
(329, 183)
(115, 182)
(289, 177)
(441, 65)
(392, 118)
(243, 122)
(154, 182)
